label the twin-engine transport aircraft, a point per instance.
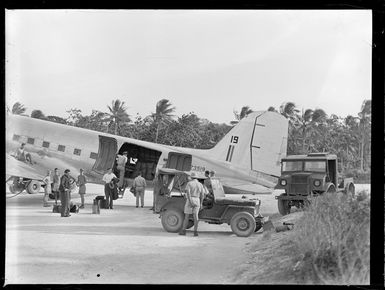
(247, 159)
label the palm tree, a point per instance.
(18, 108)
(37, 114)
(117, 114)
(245, 110)
(364, 127)
(162, 115)
(289, 110)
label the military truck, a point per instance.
(304, 176)
(240, 212)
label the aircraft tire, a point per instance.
(33, 187)
(283, 206)
(15, 190)
(172, 220)
(242, 224)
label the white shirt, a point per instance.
(108, 177)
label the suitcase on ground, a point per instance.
(103, 203)
(74, 208)
(56, 208)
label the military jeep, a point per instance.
(241, 213)
(303, 176)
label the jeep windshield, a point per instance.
(317, 166)
(292, 166)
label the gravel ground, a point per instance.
(126, 245)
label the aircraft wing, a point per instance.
(15, 167)
(232, 186)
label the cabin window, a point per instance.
(45, 144)
(77, 151)
(16, 137)
(94, 155)
(61, 148)
(31, 140)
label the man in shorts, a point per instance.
(194, 198)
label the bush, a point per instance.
(333, 241)
(360, 177)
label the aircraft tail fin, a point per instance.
(257, 142)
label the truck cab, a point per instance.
(308, 175)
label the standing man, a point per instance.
(82, 186)
(194, 198)
(107, 178)
(65, 191)
(47, 189)
(121, 161)
(56, 184)
(140, 186)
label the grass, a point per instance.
(330, 244)
(333, 241)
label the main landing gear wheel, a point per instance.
(15, 185)
(33, 187)
(283, 206)
(242, 224)
(172, 220)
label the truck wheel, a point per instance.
(242, 224)
(350, 191)
(33, 187)
(258, 226)
(283, 206)
(331, 188)
(172, 220)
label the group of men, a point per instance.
(111, 184)
(61, 187)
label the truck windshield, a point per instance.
(318, 166)
(292, 166)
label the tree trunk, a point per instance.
(362, 154)
(157, 132)
(116, 127)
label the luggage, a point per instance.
(56, 208)
(103, 203)
(95, 207)
(74, 208)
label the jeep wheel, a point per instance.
(283, 206)
(243, 224)
(172, 220)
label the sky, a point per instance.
(210, 62)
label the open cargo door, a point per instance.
(106, 155)
(179, 161)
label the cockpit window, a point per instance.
(292, 166)
(318, 166)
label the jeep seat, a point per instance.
(234, 201)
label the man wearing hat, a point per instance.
(65, 189)
(194, 198)
(121, 161)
